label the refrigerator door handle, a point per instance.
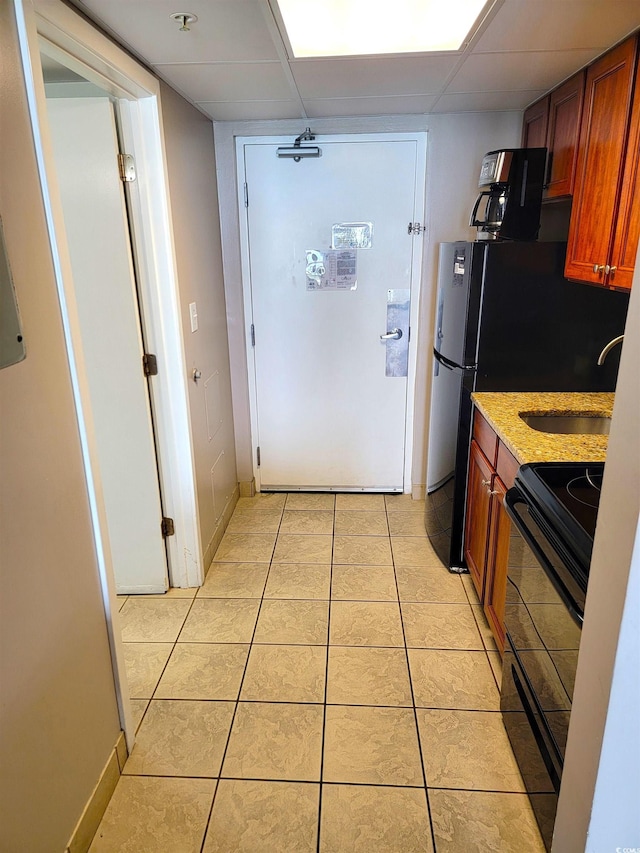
(439, 332)
(451, 365)
(440, 360)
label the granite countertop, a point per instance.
(502, 410)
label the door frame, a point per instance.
(419, 215)
(79, 45)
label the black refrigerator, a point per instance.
(506, 320)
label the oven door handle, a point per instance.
(510, 500)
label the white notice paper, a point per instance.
(332, 269)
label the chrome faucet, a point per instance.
(605, 352)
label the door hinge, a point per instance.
(253, 335)
(127, 168)
(246, 195)
(415, 228)
(258, 455)
(149, 364)
(167, 527)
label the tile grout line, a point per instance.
(326, 681)
(166, 664)
(237, 702)
(413, 699)
(251, 645)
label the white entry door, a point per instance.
(330, 394)
(85, 147)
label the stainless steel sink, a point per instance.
(569, 424)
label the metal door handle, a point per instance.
(393, 335)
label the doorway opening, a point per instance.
(76, 45)
(85, 134)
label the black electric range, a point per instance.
(564, 499)
(554, 509)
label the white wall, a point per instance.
(455, 146)
(191, 168)
(598, 805)
(58, 711)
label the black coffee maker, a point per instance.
(515, 180)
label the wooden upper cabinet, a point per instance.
(627, 232)
(554, 123)
(601, 150)
(565, 111)
(534, 124)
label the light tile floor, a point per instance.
(330, 688)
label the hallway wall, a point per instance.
(193, 190)
(58, 712)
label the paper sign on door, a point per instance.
(332, 270)
(351, 235)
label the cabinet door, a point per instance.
(495, 588)
(476, 528)
(565, 109)
(534, 124)
(627, 233)
(607, 104)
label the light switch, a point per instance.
(193, 313)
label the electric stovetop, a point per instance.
(567, 494)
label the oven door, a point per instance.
(543, 618)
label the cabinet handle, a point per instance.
(493, 493)
(612, 270)
(598, 267)
(607, 269)
(485, 483)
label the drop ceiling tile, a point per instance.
(515, 71)
(225, 29)
(344, 78)
(553, 25)
(229, 81)
(486, 101)
(396, 105)
(251, 110)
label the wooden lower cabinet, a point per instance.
(476, 531)
(495, 586)
(487, 525)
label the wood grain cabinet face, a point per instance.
(476, 531)
(601, 163)
(495, 588)
(487, 525)
(554, 122)
(565, 111)
(534, 124)
(627, 232)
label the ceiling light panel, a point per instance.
(369, 27)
